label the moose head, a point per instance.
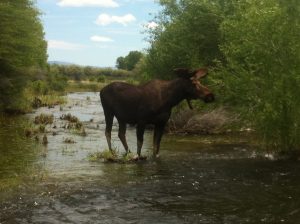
(195, 90)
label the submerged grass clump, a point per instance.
(74, 123)
(69, 117)
(44, 119)
(79, 131)
(69, 141)
(111, 156)
(105, 155)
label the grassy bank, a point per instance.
(84, 86)
(93, 86)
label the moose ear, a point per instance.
(200, 73)
(183, 73)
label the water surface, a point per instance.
(206, 179)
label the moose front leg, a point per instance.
(140, 129)
(158, 132)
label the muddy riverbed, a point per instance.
(206, 179)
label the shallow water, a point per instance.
(207, 179)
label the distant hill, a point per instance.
(59, 63)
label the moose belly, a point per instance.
(141, 116)
(129, 117)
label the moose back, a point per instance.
(150, 103)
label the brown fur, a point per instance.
(150, 103)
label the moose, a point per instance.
(150, 103)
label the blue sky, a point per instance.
(95, 32)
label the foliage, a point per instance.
(101, 78)
(263, 71)
(253, 50)
(22, 47)
(45, 90)
(56, 81)
(39, 87)
(128, 62)
(79, 73)
(187, 35)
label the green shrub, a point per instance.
(40, 87)
(101, 78)
(262, 74)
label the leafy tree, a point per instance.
(128, 62)
(120, 63)
(187, 35)
(22, 47)
(56, 81)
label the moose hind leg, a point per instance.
(122, 135)
(140, 138)
(109, 122)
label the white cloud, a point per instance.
(151, 25)
(88, 3)
(63, 45)
(96, 38)
(105, 19)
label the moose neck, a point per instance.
(175, 92)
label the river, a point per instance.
(197, 179)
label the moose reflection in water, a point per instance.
(150, 103)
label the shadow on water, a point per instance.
(207, 179)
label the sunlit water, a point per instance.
(208, 179)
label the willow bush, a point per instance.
(262, 49)
(253, 50)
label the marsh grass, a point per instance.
(33, 100)
(111, 156)
(31, 130)
(52, 100)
